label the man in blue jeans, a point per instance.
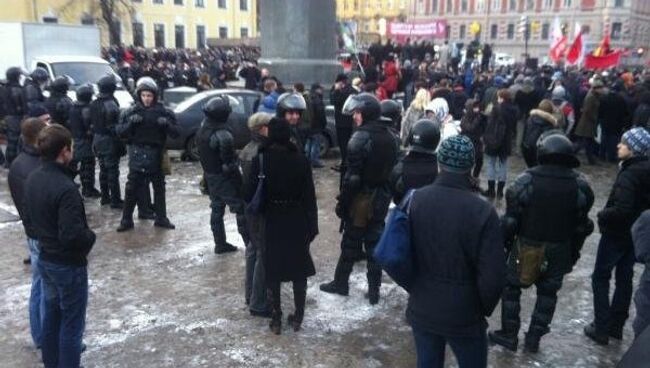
(54, 209)
(460, 278)
(26, 162)
(629, 197)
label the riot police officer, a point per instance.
(146, 126)
(291, 107)
(545, 225)
(105, 114)
(15, 109)
(33, 89)
(221, 170)
(365, 194)
(420, 166)
(59, 104)
(80, 125)
(392, 110)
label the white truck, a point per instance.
(61, 50)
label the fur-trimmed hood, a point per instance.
(544, 115)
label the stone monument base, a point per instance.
(306, 71)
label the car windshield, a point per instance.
(236, 102)
(82, 72)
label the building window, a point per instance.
(511, 31)
(50, 19)
(118, 36)
(199, 3)
(179, 36)
(355, 5)
(494, 31)
(138, 34)
(618, 3)
(480, 6)
(434, 6)
(513, 5)
(546, 29)
(178, 2)
(223, 32)
(200, 37)
(447, 32)
(463, 6)
(87, 20)
(462, 32)
(449, 6)
(157, 1)
(496, 5)
(243, 32)
(617, 29)
(222, 4)
(159, 35)
(568, 3)
(530, 5)
(548, 4)
(243, 5)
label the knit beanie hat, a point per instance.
(456, 154)
(637, 140)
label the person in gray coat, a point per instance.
(641, 239)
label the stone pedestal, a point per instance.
(298, 39)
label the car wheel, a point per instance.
(192, 149)
(325, 144)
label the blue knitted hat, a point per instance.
(456, 154)
(638, 140)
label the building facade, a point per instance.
(372, 16)
(626, 21)
(149, 23)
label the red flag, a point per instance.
(603, 49)
(603, 62)
(575, 52)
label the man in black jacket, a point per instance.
(221, 171)
(460, 262)
(340, 92)
(58, 104)
(54, 212)
(80, 125)
(26, 162)
(316, 108)
(105, 114)
(629, 197)
(145, 127)
(547, 215)
(365, 193)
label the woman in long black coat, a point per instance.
(290, 214)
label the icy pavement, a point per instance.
(163, 299)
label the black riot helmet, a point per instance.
(146, 84)
(366, 103)
(290, 102)
(424, 136)
(13, 74)
(40, 75)
(392, 110)
(85, 93)
(60, 84)
(218, 108)
(554, 148)
(107, 84)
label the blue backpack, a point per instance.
(394, 252)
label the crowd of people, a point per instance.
(424, 153)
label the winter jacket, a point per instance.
(498, 131)
(472, 125)
(392, 78)
(629, 197)
(318, 115)
(641, 238)
(248, 154)
(613, 114)
(642, 116)
(459, 258)
(27, 161)
(54, 211)
(588, 122)
(526, 100)
(538, 123)
(414, 171)
(338, 98)
(457, 103)
(290, 212)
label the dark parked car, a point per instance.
(189, 115)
